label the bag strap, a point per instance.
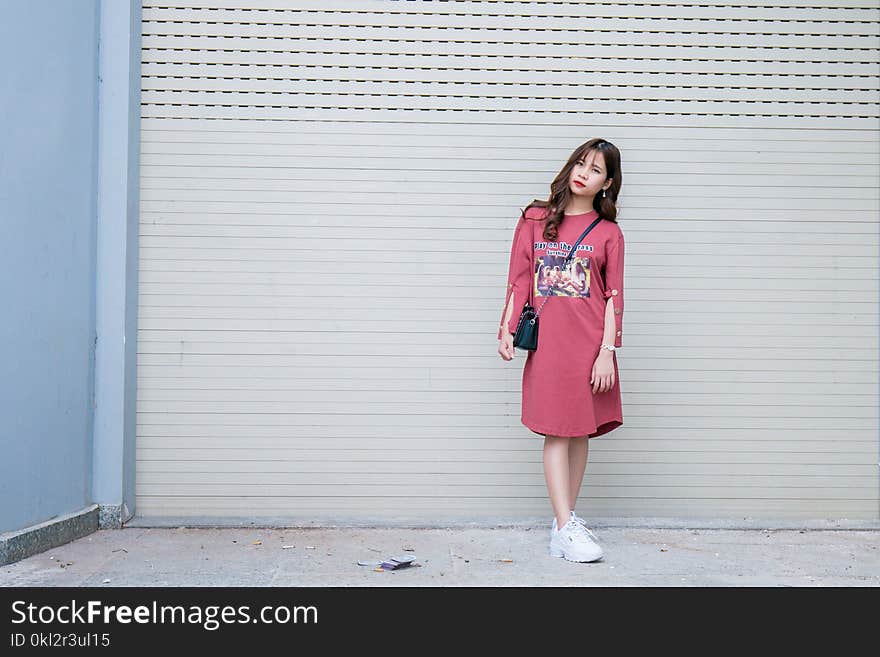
(567, 258)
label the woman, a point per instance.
(570, 387)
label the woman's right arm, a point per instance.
(519, 277)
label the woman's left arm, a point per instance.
(602, 377)
(614, 288)
(608, 336)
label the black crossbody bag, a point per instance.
(526, 336)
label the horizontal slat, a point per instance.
(276, 460)
(695, 334)
(366, 465)
(638, 388)
(640, 380)
(292, 325)
(682, 358)
(713, 103)
(244, 398)
(616, 33)
(685, 8)
(507, 32)
(283, 157)
(157, 270)
(624, 487)
(212, 91)
(702, 205)
(620, 116)
(183, 454)
(703, 418)
(645, 342)
(200, 172)
(398, 438)
(385, 480)
(205, 284)
(662, 265)
(446, 237)
(639, 372)
(308, 511)
(179, 75)
(523, 15)
(327, 405)
(525, 64)
(414, 399)
(290, 302)
(548, 139)
(544, 137)
(733, 321)
(591, 36)
(281, 307)
(584, 45)
(406, 246)
(447, 155)
(288, 351)
(716, 315)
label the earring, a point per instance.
(603, 193)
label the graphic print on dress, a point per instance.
(554, 278)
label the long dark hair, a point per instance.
(560, 193)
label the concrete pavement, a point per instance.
(509, 555)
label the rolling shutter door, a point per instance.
(328, 195)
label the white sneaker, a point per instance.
(578, 520)
(574, 542)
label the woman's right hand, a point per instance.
(505, 345)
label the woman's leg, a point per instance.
(578, 449)
(557, 474)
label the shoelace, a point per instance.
(583, 523)
(592, 535)
(584, 530)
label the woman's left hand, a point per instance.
(602, 376)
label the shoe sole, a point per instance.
(557, 552)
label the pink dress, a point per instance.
(557, 397)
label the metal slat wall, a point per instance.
(328, 195)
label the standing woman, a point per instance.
(570, 387)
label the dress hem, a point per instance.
(599, 430)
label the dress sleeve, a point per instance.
(614, 249)
(519, 274)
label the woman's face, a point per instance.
(589, 170)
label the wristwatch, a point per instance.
(609, 347)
